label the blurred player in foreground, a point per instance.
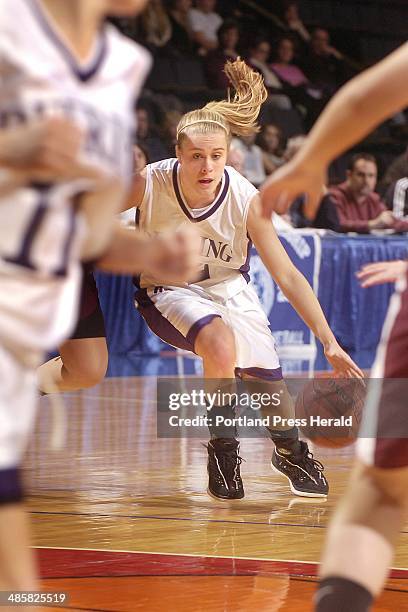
(362, 536)
(219, 316)
(68, 85)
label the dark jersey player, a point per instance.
(361, 539)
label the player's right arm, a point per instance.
(353, 112)
(172, 257)
(136, 191)
(45, 150)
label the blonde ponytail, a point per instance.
(236, 115)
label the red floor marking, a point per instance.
(66, 563)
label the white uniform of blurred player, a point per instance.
(362, 536)
(42, 228)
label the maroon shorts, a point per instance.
(384, 432)
(90, 322)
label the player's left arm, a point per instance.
(296, 288)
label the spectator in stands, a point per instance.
(253, 167)
(396, 198)
(293, 145)
(359, 208)
(170, 123)
(295, 82)
(323, 64)
(293, 23)
(258, 59)
(148, 137)
(181, 41)
(141, 158)
(228, 38)
(283, 65)
(156, 26)
(204, 24)
(270, 141)
(235, 158)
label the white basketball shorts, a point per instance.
(177, 315)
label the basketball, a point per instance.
(330, 411)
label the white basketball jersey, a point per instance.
(225, 244)
(40, 231)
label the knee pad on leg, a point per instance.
(11, 491)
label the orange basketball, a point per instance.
(329, 410)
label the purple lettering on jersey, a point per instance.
(106, 136)
(221, 251)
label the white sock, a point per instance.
(357, 553)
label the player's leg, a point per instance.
(191, 320)
(17, 409)
(215, 344)
(82, 363)
(361, 539)
(291, 457)
(83, 359)
(258, 364)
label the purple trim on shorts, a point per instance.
(142, 298)
(82, 73)
(217, 202)
(11, 490)
(263, 373)
(245, 268)
(162, 326)
(198, 326)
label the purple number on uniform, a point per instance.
(23, 258)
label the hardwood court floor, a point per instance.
(122, 521)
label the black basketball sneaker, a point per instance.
(224, 476)
(305, 474)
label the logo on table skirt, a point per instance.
(263, 283)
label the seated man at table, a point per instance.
(359, 208)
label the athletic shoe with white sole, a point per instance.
(224, 477)
(305, 474)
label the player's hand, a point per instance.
(342, 364)
(46, 150)
(45, 142)
(287, 183)
(381, 272)
(384, 220)
(174, 257)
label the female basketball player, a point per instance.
(362, 537)
(219, 316)
(68, 87)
